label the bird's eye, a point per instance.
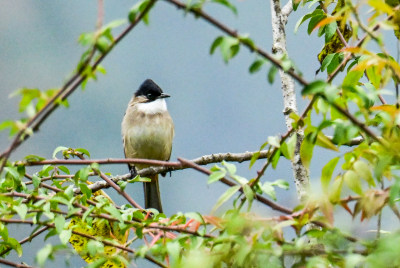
(149, 95)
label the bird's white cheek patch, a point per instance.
(154, 107)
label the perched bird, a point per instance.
(147, 132)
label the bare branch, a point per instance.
(286, 10)
(300, 172)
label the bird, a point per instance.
(147, 132)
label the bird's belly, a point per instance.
(151, 142)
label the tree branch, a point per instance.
(13, 264)
(35, 122)
(50, 225)
(233, 33)
(300, 172)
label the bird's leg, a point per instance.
(133, 171)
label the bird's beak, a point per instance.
(163, 96)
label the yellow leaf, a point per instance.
(325, 142)
(381, 6)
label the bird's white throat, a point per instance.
(154, 107)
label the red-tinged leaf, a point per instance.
(324, 22)
(346, 207)
(327, 209)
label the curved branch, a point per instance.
(35, 122)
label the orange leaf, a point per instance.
(324, 22)
(390, 109)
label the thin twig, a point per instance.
(13, 264)
(27, 239)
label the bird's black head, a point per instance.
(150, 90)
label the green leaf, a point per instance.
(64, 169)
(43, 254)
(85, 190)
(335, 189)
(274, 141)
(374, 76)
(229, 47)
(269, 190)
(316, 87)
(15, 245)
(352, 78)
(216, 176)
(217, 42)
(327, 172)
(256, 65)
(226, 196)
(231, 168)
(327, 60)
(139, 179)
(122, 184)
(227, 4)
(59, 222)
(364, 171)
(242, 181)
(9, 124)
(246, 40)
(196, 216)
(83, 151)
(254, 158)
(114, 212)
(13, 172)
(21, 209)
(306, 152)
(281, 184)
(330, 30)
(316, 12)
(272, 73)
(314, 21)
(288, 148)
(83, 174)
(59, 149)
(36, 181)
(325, 142)
(136, 9)
(248, 192)
(353, 181)
(64, 236)
(275, 158)
(335, 62)
(174, 250)
(114, 24)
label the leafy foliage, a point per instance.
(348, 112)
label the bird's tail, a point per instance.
(152, 197)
